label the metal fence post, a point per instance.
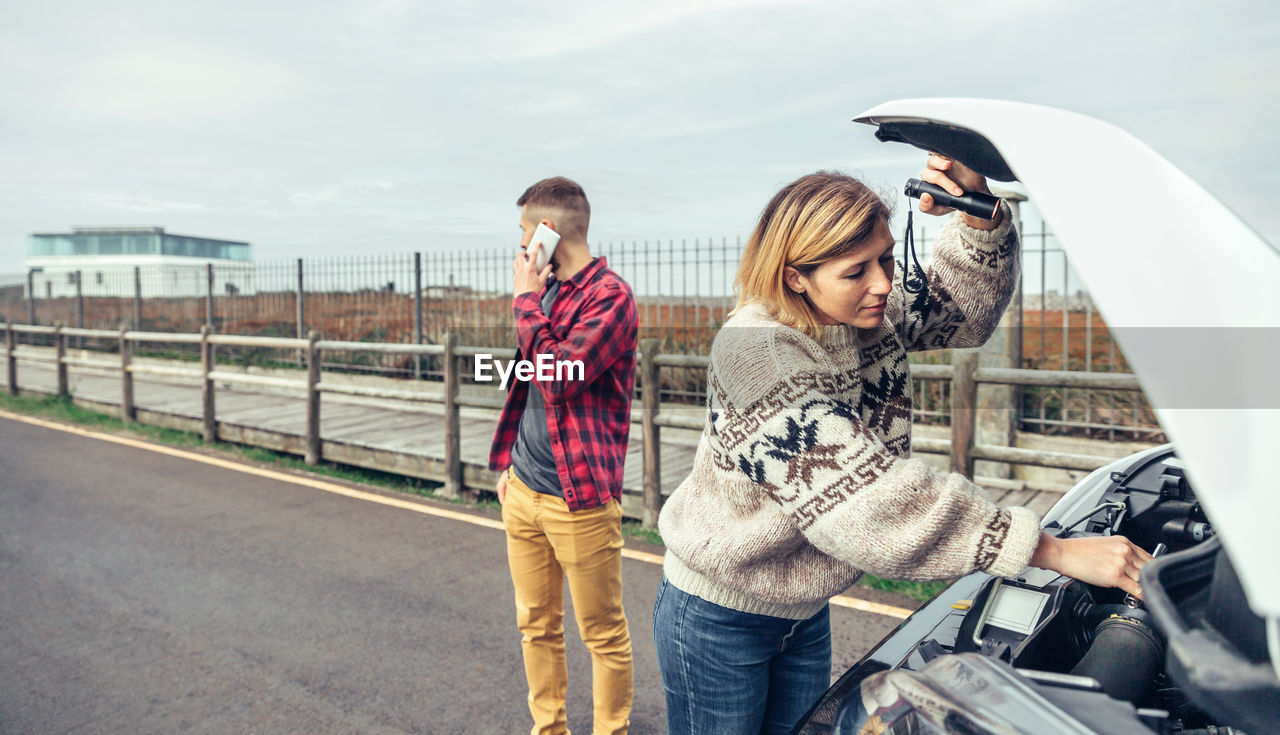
(12, 359)
(998, 405)
(651, 390)
(453, 486)
(31, 296)
(137, 298)
(207, 358)
(79, 304)
(313, 399)
(1015, 200)
(60, 350)
(128, 412)
(417, 312)
(208, 296)
(964, 397)
(298, 305)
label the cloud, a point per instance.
(116, 202)
(393, 124)
(587, 27)
(167, 82)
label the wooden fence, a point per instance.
(964, 375)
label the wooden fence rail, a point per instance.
(964, 374)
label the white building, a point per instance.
(167, 265)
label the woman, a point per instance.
(803, 479)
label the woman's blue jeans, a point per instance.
(726, 671)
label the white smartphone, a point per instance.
(548, 237)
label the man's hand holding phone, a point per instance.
(533, 266)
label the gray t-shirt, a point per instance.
(531, 456)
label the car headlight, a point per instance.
(960, 693)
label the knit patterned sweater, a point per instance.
(803, 477)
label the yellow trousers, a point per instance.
(547, 544)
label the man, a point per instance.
(560, 446)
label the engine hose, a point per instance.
(1125, 658)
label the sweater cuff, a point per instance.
(987, 239)
(1020, 543)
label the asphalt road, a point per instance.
(147, 593)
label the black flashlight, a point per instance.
(970, 202)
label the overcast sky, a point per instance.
(336, 127)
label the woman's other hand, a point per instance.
(956, 178)
(1106, 561)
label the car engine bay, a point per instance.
(1190, 659)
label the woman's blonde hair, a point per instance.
(811, 220)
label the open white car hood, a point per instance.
(1190, 292)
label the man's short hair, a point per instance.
(560, 200)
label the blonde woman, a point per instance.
(803, 477)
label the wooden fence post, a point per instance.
(128, 412)
(313, 399)
(210, 432)
(11, 359)
(60, 350)
(453, 485)
(964, 398)
(650, 393)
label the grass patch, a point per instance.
(640, 533)
(923, 591)
(62, 409)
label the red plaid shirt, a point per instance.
(593, 319)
